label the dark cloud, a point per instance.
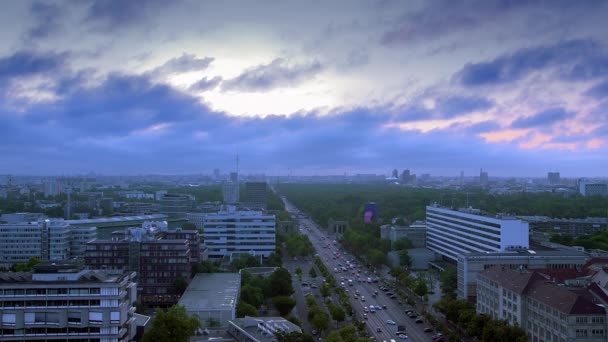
(544, 118)
(509, 68)
(110, 15)
(184, 63)
(598, 91)
(457, 105)
(279, 73)
(47, 18)
(24, 63)
(206, 84)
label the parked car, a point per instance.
(390, 322)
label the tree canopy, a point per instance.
(173, 325)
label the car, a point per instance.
(413, 316)
(407, 312)
(365, 315)
(428, 330)
(365, 309)
(394, 296)
(384, 306)
(378, 329)
(402, 336)
(389, 294)
(390, 322)
(419, 321)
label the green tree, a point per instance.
(420, 288)
(334, 336)
(320, 321)
(325, 290)
(189, 226)
(402, 244)
(348, 333)
(280, 283)
(174, 325)
(404, 258)
(337, 314)
(376, 257)
(293, 336)
(299, 273)
(205, 266)
(312, 273)
(449, 282)
(27, 267)
(284, 304)
(180, 285)
(252, 295)
(245, 309)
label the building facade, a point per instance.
(230, 192)
(64, 302)
(230, 233)
(256, 195)
(546, 312)
(159, 256)
(471, 264)
(451, 232)
(176, 205)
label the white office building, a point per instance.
(451, 232)
(46, 239)
(231, 233)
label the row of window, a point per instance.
(50, 303)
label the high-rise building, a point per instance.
(395, 173)
(451, 232)
(553, 178)
(158, 255)
(65, 302)
(483, 177)
(256, 196)
(230, 233)
(230, 190)
(587, 188)
(405, 176)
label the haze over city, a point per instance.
(517, 88)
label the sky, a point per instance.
(518, 88)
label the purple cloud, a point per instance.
(598, 91)
(184, 63)
(544, 118)
(47, 19)
(279, 73)
(206, 84)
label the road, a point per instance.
(335, 258)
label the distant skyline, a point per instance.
(518, 88)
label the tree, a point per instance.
(312, 273)
(245, 309)
(449, 282)
(404, 258)
(189, 226)
(320, 321)
(212, 322)
(348, 333)
(337, 314)
(280, 283)
(420, 288)
(299, 273)
(293, 336)
(180, 285)
(284, 304)
(402, 244)
(325, 290)
(205, 266)
(27, 267)
(174, 325)
(252, 295)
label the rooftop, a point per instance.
(526, 253)
(118, 219)
(212, 291)
(263, 328)
(515, 281)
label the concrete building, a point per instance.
(230, 192)
(21, 217)
(337, 226)
(546, 312)
(415, 232)
(471, 264)
(105, 226)
(47, 239)
(259, 329)
(587, 188)
(64, 302)
(231, 233)
(256, 195)
(451, 232)
(574, 227)
(553, 178)
(158, 255)
(176, 205)
(212, 297)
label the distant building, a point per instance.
(230, 191)
(587, 188)
(212, 296)
(370, 212)
(405, 176)
(229, 233)
(574, 227)
(451, 232)
(395, 173)
(415, 232)
(471, 264)
(65, 302)
(21, 217)
(53, 187)
(158, 255)
(259, 329)
(546, 312)
(256, 195)
(105, 226)
(483, 178)
(337, 226)
(176, 205)
(553, 178)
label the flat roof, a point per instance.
(527, 252)
(212, 291)
(118, 219)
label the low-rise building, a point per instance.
(260, 329)
(212, 297)
(65, 302)
(415, 232)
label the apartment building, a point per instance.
(546, 311)
(471, 264)
(65, 302)
(454, 232)
(230, 233)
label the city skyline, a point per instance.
(150, 87)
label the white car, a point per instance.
(403, 336)
(390, 322)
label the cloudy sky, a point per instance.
(304, 87)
